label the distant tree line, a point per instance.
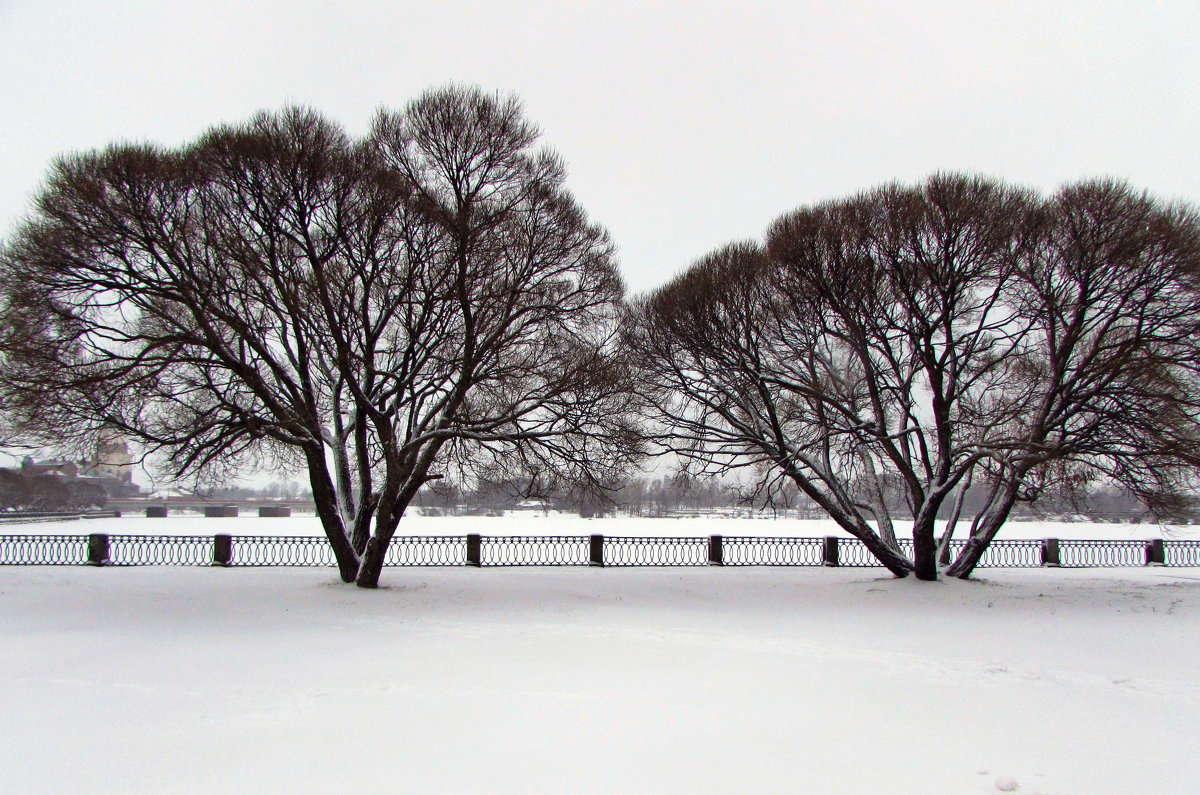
(662, 495)
(23, 492)
(277, 490)
(676, 494)
(425, 315)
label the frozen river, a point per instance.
(555, 524)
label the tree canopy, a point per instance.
(890, 351)
(424, 301)
(429, 301)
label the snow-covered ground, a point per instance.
(533, 523)
(598, 680)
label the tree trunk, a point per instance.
(853, 524)
(388, 512)
(341, 467)
(925, 542)
(883, 516)
(896, 563)
(955, 514)
(978, 543)
(362, 522)
(886, 531)
(326, 502)
(372, 564)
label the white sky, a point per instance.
(685, 125)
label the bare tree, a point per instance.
(380, 310)
(735, 372)
(890, 351)
(1109, 369)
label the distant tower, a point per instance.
(113, 457)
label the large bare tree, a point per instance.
(428, 300)
(888, 352)
(1110, 367)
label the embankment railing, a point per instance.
(100, 549)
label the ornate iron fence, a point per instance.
(1007, 554)
(532, 551)
(595, 550)
(1181, 553)
(752, 551)
(654, 551)
(280, 551)
(1101, 553)
(852, 552)
(425, 551)
(129, 550)
(43, 550)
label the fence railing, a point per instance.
(98, 549)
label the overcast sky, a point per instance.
(685, 125)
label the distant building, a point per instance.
(113, 457)
(61, 467)
(111, 469)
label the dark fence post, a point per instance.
(716, 551)
(97, 549)
(1156, 555)
(474, 549)
(222, 549)
(220, 511)
(830, 556)
(1050, 552)
(156, 512)
(275, 511)
(596, 551)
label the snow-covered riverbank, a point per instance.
(539, 680)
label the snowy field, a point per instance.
(598, 680)
(537, 524)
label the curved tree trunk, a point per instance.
(883, 517)
(955, 515)
(341, 468)
(968, 559)
(328, 511)
(896, 563)
(372, 564)
(978, 543)
(389, 509)
(362, 522)
(886, 554)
